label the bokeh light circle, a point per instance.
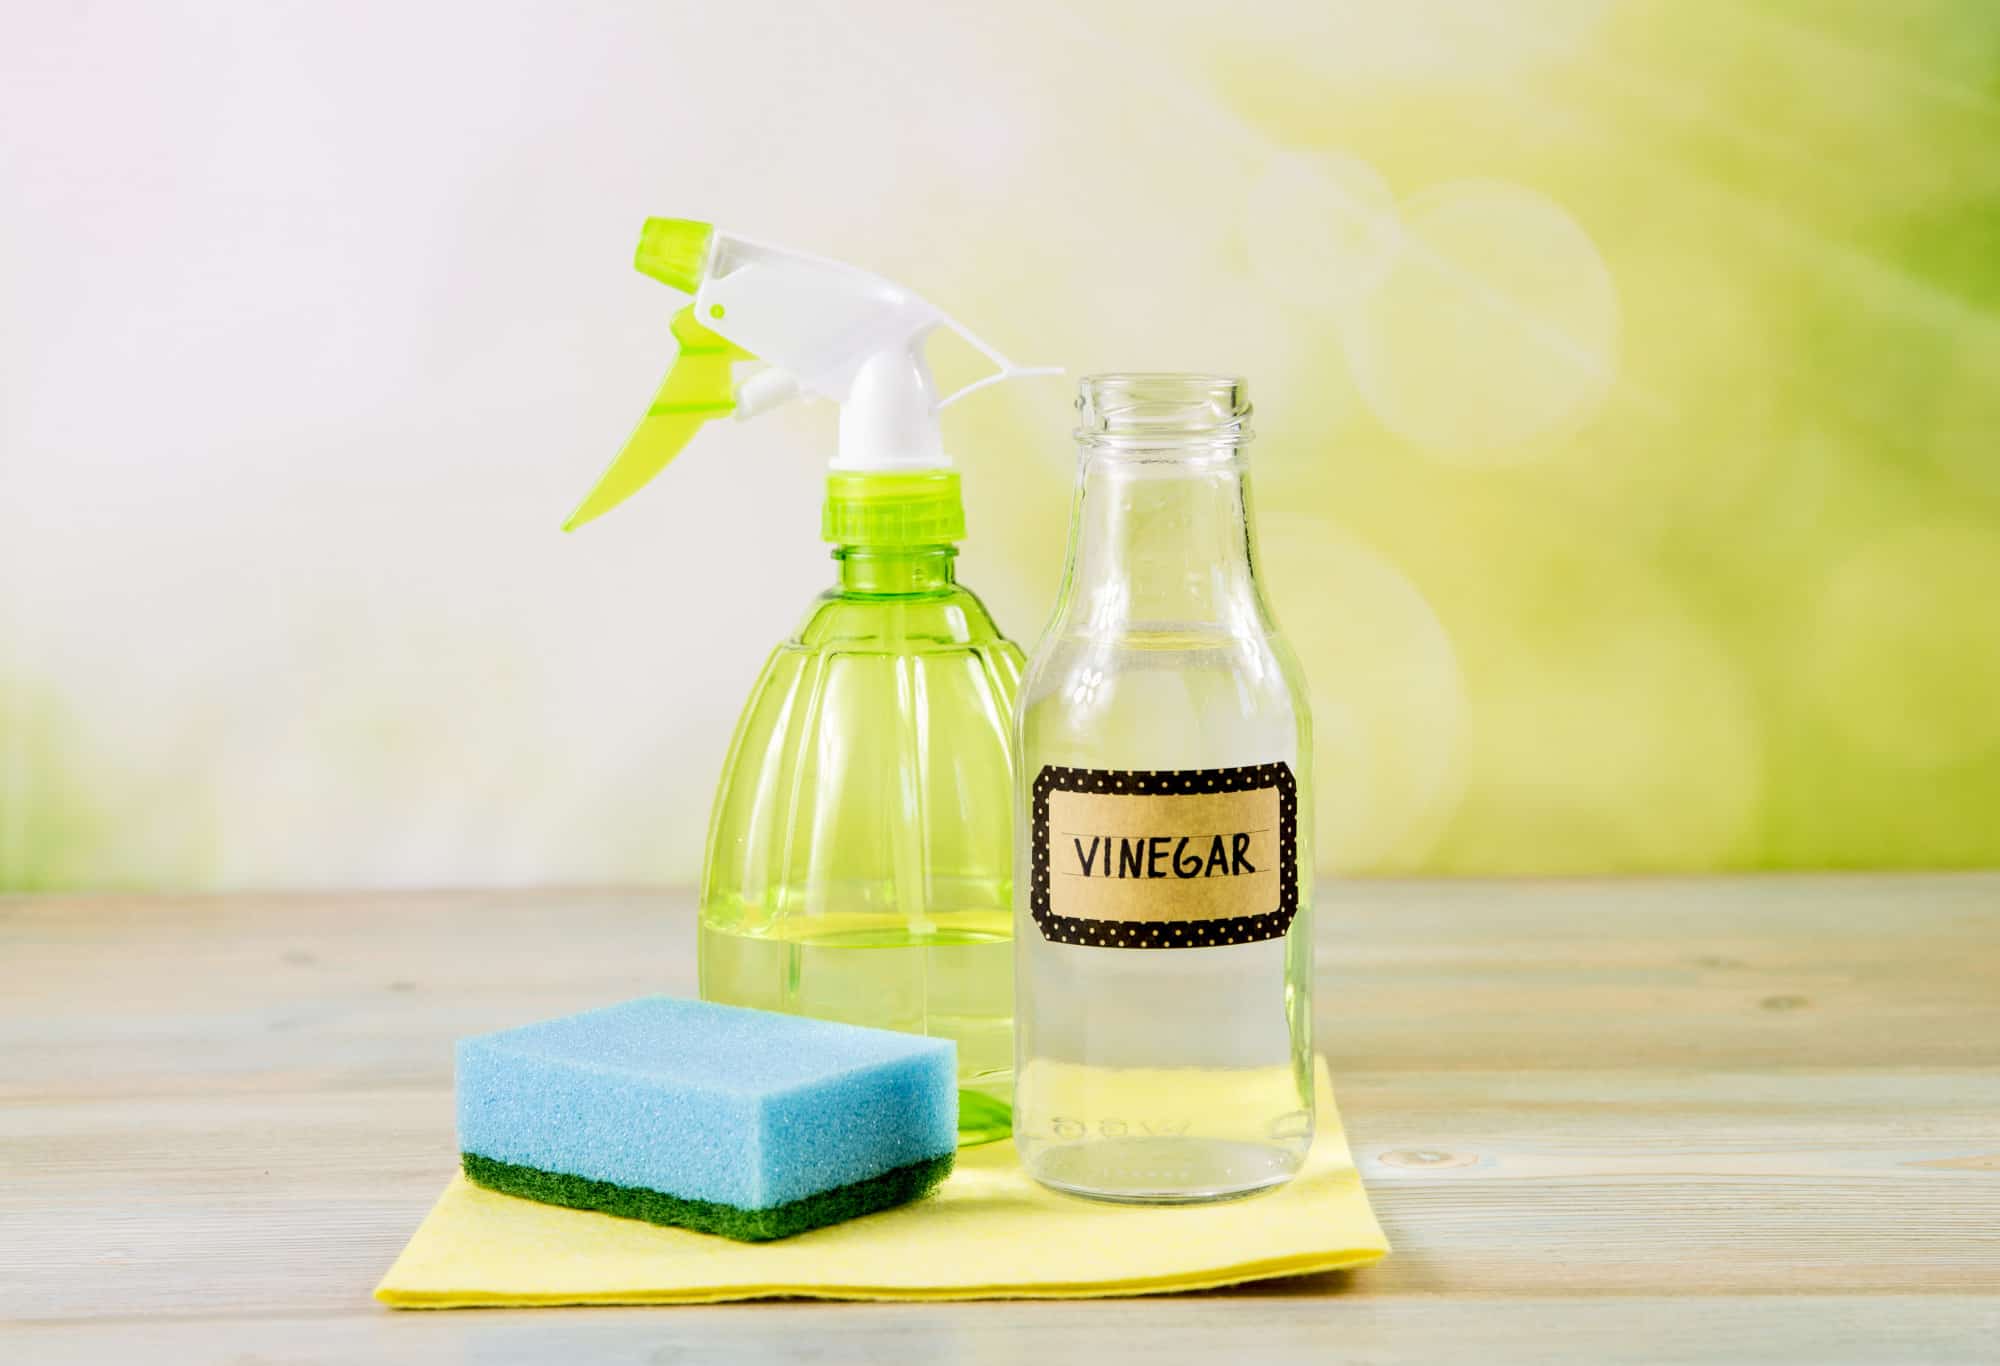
(1496, 325)
(1610, 729)
(1904, 659)
(1388, 699)
(1319, 228)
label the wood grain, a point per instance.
(1750, 1119)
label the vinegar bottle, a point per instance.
(1163, 946)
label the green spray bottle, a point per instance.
(859, 862)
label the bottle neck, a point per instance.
(872, 571)
(1162, 540)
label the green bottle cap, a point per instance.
(877, 508)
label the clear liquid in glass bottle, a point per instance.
(1163, 951)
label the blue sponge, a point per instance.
(740, 1122)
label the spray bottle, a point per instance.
(860, 845)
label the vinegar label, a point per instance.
(1181, 858)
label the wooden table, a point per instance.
(1651, 1121)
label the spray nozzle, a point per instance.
(674, 251)
(824, 330)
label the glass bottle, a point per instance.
(859, 853)
(1163, 875)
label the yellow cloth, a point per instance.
(988, 1233)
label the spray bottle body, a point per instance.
(859, 853)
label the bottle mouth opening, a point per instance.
(1160, 411)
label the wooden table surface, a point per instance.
(1659, 1121)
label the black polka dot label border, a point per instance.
(1183, 934)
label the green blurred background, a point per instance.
(1628, 379)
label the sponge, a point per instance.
(740, 1122)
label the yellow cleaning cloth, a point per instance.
(988, 1233)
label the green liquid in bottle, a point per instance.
(955, 982)
(860, 857)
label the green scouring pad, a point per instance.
(886, 1191)
(738, 1122)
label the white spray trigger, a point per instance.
(828, 330)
